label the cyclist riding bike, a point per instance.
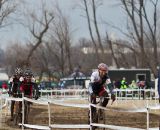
(28, 85)
(14, 83)
(99, 80)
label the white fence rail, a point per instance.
(83, 93)
(85, 106)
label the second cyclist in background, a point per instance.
(29, 86)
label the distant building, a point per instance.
(130, 74)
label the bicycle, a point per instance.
(17, 116)
(97, 114)
(15, 111)
(18, 111)
(26, 111)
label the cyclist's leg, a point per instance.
(92, 98)
(12, 109)
(20, 107)
(103, 94)
(19, 112)
(93, 109)
(104, 98)
(26, 111)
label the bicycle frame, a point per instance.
(96, 112)
(26, 111)
(18, 115)
(17, 118)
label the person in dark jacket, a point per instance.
(29, 86)
(14, 83)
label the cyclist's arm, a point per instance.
(37, 94)
(10, 88)
(94, 80)
(10, 85)
(110, 85)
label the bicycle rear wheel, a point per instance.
(17, 118)
(94, 119)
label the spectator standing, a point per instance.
(14, 84)
(4, 85)
(117, 84)
(123, 83)
(133, 85)
(62, 84)
(123, 86)
(141, 86)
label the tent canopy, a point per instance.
(3, 76)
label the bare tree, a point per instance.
(92, 17)
(7, 9)
(110, 42)
(94, 8)
(153, 34)
(14, 56)
(42, 61)
(44, 24)
(61, 40)
(90, 29)
(132, 10)
(143, 30)
(84, 52)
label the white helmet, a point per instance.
(18, 71)
(103, 66)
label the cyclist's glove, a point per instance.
(10, 92)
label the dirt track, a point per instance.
(68, 115)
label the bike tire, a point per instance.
(17, 118)
(26, 112)
(93, 120)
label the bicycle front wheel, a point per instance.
(26, 112)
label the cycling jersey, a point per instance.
(14, 83)
(97, 83)
(27, 87)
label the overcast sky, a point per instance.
(109, 12)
